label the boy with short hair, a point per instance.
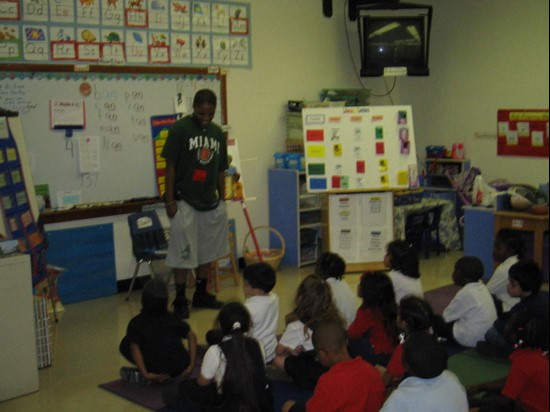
(472, 311)
(429, 387)
(263, 305)
(524, 282)
(351, 385)
(153, 340)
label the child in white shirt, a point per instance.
(263, 305)
(331, 267)
(508, 249)
(472, 311)
(402, 259)
(430, 387)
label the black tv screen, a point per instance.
(394, 42)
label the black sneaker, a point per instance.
(206, 300)
(181, 307)
(132, 375)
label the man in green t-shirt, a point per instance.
(196, 161)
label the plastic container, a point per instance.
(293, 161)
(280, 160)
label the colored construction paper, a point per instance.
(316, 168)
(317, 184)
(403, 177)
(360, 166)
(335, 182)
(379, 148)
(315, 135)
(315, 150)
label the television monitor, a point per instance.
(394, 44)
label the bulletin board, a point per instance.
(359, 148)
(522, 132)
(129, 32)
(112, 158)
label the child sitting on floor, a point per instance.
(153, 340)
(373, 333)
(331, 267)
(350, 385)
(472, 311)
(402, 259)
(508, 249)
(263, 305)
(413, 315)
(232, 376)
(295, 354)
(430, 387)
(527, 383)
(525, 280)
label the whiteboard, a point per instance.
(359, 148)
(118, 108)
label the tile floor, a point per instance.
(87, 335)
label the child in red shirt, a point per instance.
(414, 315)
(373, 333)
(350, 385)
(527, 382)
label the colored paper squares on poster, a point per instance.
(336, 182)
(316, 168)
(405, 147)
(403, 177)
(383, 165)
(357, 119)
(337, 150)
(379, 132)
(404, 133)
(402, 117)
(317, 184)
(384, 181)
(379, 148)
(315, 150)
(360, 166)
(344, 182)
(315, 135)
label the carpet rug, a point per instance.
(150, 397)
(439, 298)
(471, 368)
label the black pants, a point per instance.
(444, 329)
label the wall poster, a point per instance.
(359, 148)
(522, 132)
(133, 32)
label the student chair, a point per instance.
(419, 228)
(148, 241)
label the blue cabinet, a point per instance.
(479, 226)
(296, 214)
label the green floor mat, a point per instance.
(472, 368)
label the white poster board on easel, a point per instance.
(359, 148)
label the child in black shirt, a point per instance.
(153, 340)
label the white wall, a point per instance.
(485, 55)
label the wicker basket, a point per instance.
(272, 257)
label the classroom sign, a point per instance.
(359, 148)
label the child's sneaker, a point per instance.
(132, 375)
